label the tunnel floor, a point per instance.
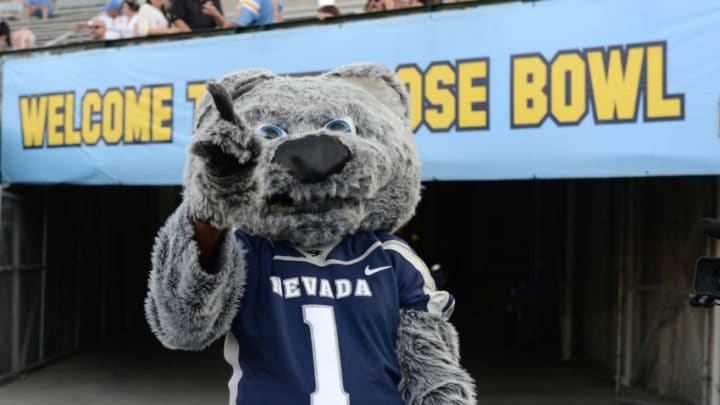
(126, 372)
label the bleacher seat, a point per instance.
(11, 9)
(59, 27)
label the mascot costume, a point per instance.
(282, 244)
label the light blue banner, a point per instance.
(554, 89)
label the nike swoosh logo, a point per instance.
(370, 272)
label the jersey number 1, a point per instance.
(326, 356)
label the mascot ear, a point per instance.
(237, 83)
(379, 81)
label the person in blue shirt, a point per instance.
(257, 12)
(39, 8)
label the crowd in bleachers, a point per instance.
(331, 10)
(129, 18)
(385, 5)
(137, 18)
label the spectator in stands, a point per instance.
(257, 12)
(5, 38)
(192, 15)
(113, 20)
(38, 8)
(408, 3)
(154, 19)
(23, 39)
(130, 11)
(113, 9)
(326, 11)
(379, 5)
(97, 29)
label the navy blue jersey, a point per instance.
(318, 326)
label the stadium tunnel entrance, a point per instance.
(561, 286)
(573, 291)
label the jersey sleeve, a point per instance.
(246, 13)
(416, 285)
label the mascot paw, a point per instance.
(450, 394)
(224, 156)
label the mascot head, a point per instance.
(331, 154)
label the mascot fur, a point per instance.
(318, 302)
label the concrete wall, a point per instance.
(488, 233)
(94, 280)
(597, 235)
(669, 246)
(642, 230)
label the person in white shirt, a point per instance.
(114, 21)
(153, 19)
(130, 11)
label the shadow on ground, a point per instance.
(125, 373)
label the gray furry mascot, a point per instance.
(282, 245)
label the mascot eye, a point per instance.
(272, 131)
(339, 125)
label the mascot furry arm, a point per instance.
(307, 170)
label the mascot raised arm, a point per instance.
(283, 245)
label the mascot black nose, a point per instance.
(313, 158)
